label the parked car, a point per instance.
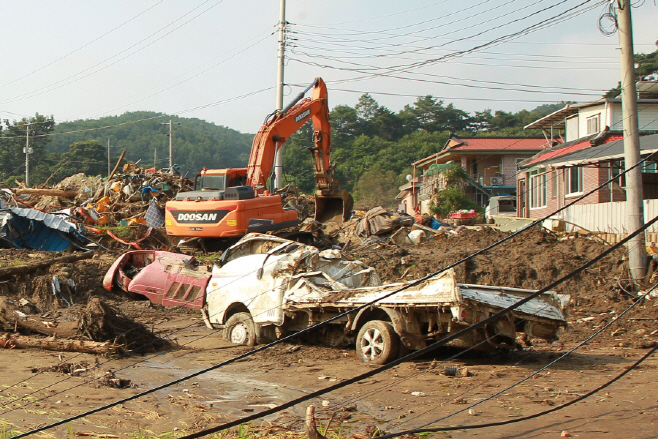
(265, 287)
(501, 205)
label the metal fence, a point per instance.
(608, 217)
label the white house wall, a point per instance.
(572, 128)
(647, 120)
(616, 121)
(607, 217)
(588, 112)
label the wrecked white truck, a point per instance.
(265, 287)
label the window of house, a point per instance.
(573, 180)
(593, 124)
(649, 167)
(616, 168)
(538, 191)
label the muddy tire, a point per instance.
(240, 329)
(377, 343)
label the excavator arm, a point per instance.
(331, 203)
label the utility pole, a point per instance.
(27, 154)
(636, 246)
(171, 144)
(278, 161)
(155, 158)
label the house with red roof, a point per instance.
(490, 162)
(589, 151)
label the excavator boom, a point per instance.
(233, 202)
(331, 204)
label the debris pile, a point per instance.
(82, 212)
(58, 218)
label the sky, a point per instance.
(216, 60)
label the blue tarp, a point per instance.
(36, 230)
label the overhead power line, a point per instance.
(90, 70)
(81, 47)
(392, 364)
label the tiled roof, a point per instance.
(611, 149)
(495, 143)
(569, 148)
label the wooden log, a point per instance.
(62, 330)
(65, 345)
(105, 187)
(48, 192)
(311, 429)
(425, 228)
(21, 269)
(123, 154)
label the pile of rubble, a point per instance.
(61, 217)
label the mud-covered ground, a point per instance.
(40, 387)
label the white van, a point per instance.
(502, 205)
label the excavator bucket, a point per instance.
(335, 207)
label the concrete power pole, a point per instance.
(171, 144)
(636, 246)
(27, 154)
(278, 161)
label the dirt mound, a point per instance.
(533, 260)
(101, 322)
(65, 300)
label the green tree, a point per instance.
(89, 157)
(197, 143)
(453, 197)
(430, 115)
(297, 161)
(13, 141)
(375, 120)
(377, 187)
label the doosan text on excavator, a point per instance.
(233, 202)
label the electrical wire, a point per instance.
(222, 61)
(534, 416)
(415, 354)
(389, 35)
(212, 104)
(556, 18)
(270, 262)
(637, 300)
(349, 381)
(81, 47)
(77, 76)
(395, 362)
(540, 25)
(585, 195)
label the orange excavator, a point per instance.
(233, 202)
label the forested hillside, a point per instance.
(197, 143)
(373, 146)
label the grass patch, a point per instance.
(122, 232)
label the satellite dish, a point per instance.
(409, 177)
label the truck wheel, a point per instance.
(240, 329)
(377, 342)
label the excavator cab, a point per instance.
(334, 207)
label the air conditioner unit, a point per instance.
(496, 181)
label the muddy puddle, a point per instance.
(229, 393)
